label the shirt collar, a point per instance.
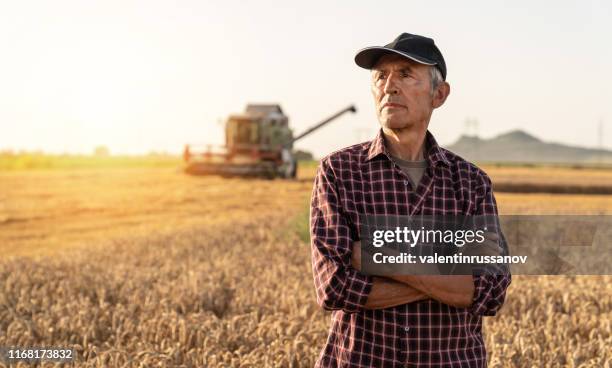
(435, 155)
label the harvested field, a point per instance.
(560, 180)
(42, 211)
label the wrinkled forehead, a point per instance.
(394, 61)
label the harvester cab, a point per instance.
(258, 142)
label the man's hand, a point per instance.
(387, 293)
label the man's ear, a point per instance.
(440, 94)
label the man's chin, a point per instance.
(395, 124)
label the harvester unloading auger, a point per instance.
(258, 142)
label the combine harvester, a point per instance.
(258, 143)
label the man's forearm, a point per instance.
(388, 293)
(455, 290)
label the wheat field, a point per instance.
(150, 268)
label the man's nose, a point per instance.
(390, 86)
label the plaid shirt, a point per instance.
(362, 179)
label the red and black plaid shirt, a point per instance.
(362, 179)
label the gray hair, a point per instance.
(435, 77)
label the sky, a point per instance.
(142, 76)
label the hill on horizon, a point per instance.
(520, 146)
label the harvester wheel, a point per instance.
(294, 169)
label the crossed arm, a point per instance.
(388, 293)
(455, 290)
(393, 290)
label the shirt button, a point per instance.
(406, 182)
(406, 329)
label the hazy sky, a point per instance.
(153, 75)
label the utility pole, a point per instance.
(600, 134)
(471, 127)
(471, 131)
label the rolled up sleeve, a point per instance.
(338, 285)
(490, 286)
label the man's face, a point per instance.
(402, 93)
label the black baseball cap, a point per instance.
(418, 48)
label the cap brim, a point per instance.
(367, 57)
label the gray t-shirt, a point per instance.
(413, 169)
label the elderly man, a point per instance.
(403, 320)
